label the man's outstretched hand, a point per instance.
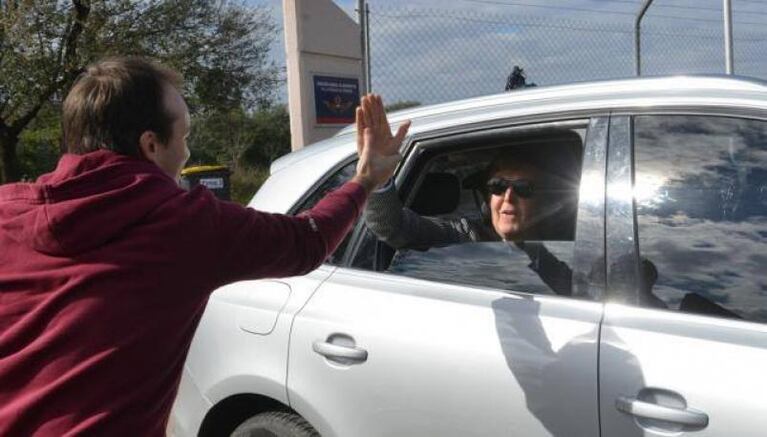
(377, 148)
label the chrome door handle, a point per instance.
(648, 410)
(334, 351)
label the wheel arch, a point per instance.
(228, 413)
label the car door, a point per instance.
(441, 349)
(684, 345)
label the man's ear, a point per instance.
(149, 145)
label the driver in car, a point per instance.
(526, 201)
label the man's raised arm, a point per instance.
(254, 244)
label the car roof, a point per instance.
(681, 90)
(591, 95)
(657, 92)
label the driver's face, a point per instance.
(513, 215)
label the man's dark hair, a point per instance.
(113, 102)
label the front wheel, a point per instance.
(275, 424)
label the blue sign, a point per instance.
(335, 99)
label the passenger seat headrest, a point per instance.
(439, 193)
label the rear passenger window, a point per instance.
(701, 198)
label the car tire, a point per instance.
(275, 424)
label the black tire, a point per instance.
(275, 424)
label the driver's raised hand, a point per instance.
(377, 148)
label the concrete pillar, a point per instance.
(324, 68)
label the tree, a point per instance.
(238, 138)
(220, 47)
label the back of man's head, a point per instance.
(113, 102)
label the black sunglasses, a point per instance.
(521, 187)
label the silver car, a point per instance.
(660, 331)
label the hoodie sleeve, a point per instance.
(254, 244)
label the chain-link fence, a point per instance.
(431, 56)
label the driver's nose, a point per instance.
(509, 194)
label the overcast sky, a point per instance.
(437, 50)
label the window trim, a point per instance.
(590, 225)
(301, 202)
(408, 174)
(620, 215)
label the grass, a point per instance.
(245, 182)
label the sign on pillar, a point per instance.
(324, 68)
(335, 99)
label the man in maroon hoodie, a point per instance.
(106, 264)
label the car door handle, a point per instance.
(334, 351)
(648, 410)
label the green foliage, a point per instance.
(246, 142)
(221, 47)
(39, 144)
(402, 104)
(240, 139)
(272, 136)
(245, 182)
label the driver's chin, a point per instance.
(507, 231)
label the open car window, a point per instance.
(519, 240)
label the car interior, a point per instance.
(448, 182)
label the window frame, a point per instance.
(622, 220)
(436, 143)
(300, 205)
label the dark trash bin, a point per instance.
(214, 177)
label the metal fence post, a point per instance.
(368, 78)
(728, 55)
(362, 18)
(637, 37)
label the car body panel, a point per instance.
(715, 365)
(701, 366)
(658, 92)
(412, 327)
(189, 409)
(512, 362)
(287, 184)
(451, 360)
(224, 360)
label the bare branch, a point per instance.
(66, 70)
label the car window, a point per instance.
(701, 199)
(476, 239)
(338, 178)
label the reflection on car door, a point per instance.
(378, 355)
(684, 353)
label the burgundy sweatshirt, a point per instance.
(105, 269)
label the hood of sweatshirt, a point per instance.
(88, 200)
